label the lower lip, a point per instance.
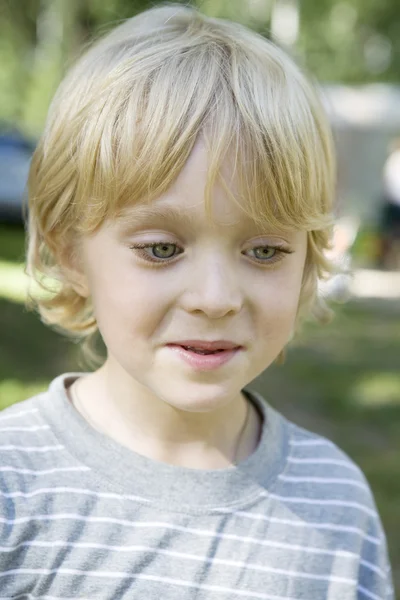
(204, 362)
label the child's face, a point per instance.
(201, 281)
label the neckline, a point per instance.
(76, 402)
(168, 486)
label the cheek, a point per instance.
(277, 301)
(128, 300)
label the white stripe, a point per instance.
(29, 596)
(364, 591)
(161, 524)
(44, 472)
(183, 555)
(40, 427)
(69, 490)
(300, 500)
(298, 479)
(324, 461)
(298, 523)
(254, 516)
(122, 575)
(311, 442)
(18, 414)
(32, 597)
(32, 448)
(373, 567)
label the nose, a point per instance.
(214, 289)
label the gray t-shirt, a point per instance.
(83, 517)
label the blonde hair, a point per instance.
(123, 123)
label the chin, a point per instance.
(200, 398)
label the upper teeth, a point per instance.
(201, 350)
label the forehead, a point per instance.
(189, 203)
(184, 202)
(173, 212)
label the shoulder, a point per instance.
(24, 433)
(307, 457)
(28, 443)
(34, 458)
(328, 489)
(308, 447)
(20, 418)
(32, 416)
(20, 412)
(21, 429)
(316, 477)
(323, 459)
(327, 479)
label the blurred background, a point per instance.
(341, 380)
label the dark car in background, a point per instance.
(15, 156)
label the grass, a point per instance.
(341, 380)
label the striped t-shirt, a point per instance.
(84, 517)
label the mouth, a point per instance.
(200, 351)
(205, 356)
(204, 347)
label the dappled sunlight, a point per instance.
(376, 390)
(13, 282)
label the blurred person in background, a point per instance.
(389, 247)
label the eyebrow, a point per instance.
(146, 214)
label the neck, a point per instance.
(155, 429)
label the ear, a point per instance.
(71, 260)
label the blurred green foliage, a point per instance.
(353, 41)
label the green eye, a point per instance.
(264, 252)
(163, 250)
(158, 252)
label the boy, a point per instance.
(181, 196)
